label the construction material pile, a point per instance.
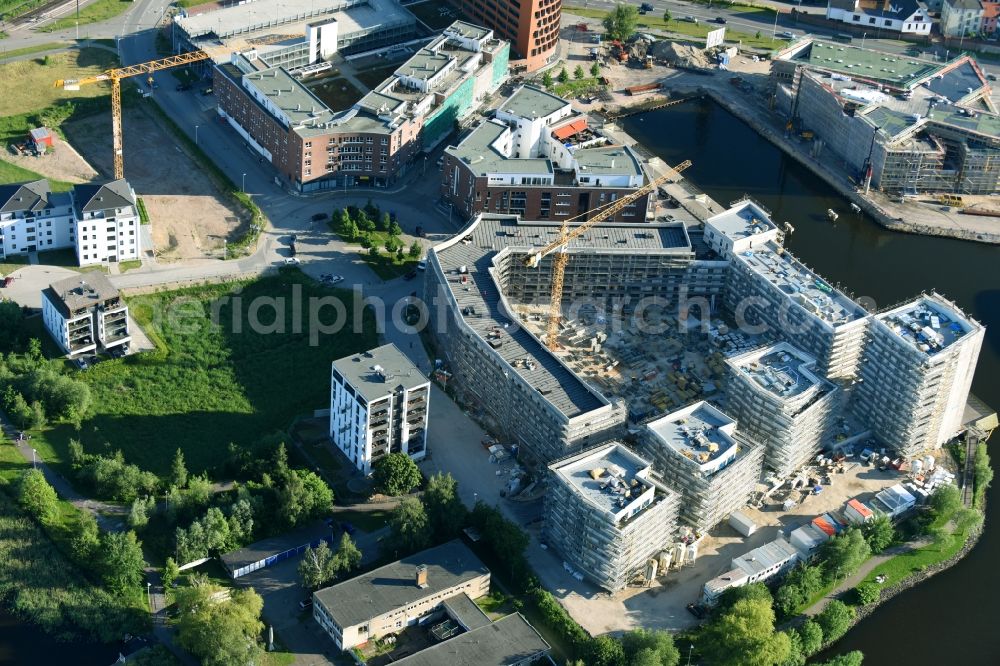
(680, 54)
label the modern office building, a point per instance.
(916, 373)
(698, 452)
(769, 291)
(378, 405)
(85, 313)
(539, 159)
(606, 516)
(404, 593)
(531, 26)
(375, 141)
(777, 397)
(99, 222)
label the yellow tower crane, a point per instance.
(115, 76)
(566, 234)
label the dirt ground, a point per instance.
(189, 217)
(662, 606)
(63, 163)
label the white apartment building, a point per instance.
(85, 313)
(100, 222)
(107, 223)
(33, 218)
(961, 18)
(903, 16)
(916, 373)
(606, 516)
(770, 291)
(777, 398)
(378, 405)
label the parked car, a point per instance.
(690, 19)
(182, 87)
(80, 363)
(786, 35)
(306, 603)
(422, 265)
(319, 217)
(646, 7)
(334, 279)
(292, 261)
(409, 276)
(720, 20)
(991, 76)
(206, 91)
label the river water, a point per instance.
(953, 617)
(25, 645)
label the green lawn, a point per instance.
(28, 50)
(129, 265)
(67, 259)
(915, 561)
(10, 9)
(385, 266)
(366, 521)
(697, 30)
(11, 173)
(12, 263)
(574, 87)
(376, 75)
(207, 385)
(102, 10)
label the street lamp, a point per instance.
(690, 649)
(243, 187)
(149, 599)
(33, 454)
(863, 35)
(196, 134)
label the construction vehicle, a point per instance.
(952, 200)
(115, 76)
(648, 62)
(560, 246)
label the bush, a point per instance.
(811, 637)
(37, 496)
(867, 593)
(835, 620)
(555, 617)
(113, 478)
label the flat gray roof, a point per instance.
(480, 304)
(264, 548)
(288, 94)
(531, 102)
(608, 161)
(764, 557)
(394, 585)
(478, 153)
(268, 16)
(465, 610)
(742, 221)
(696, 432)
(377, 372)
(604, 475)
(82, 291)
(468, 30)
(509, 640)
(929, 323)
(424, 64)
(781, 369)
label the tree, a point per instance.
(620, 22)
(364, 222)
(348, 555)
(757, 35)
(178, 470)
(317, 566)
(350, 230)
(373, 251)
(726, 600)
(240, 523)
(391, 244)
(879, 533)
(11, 317)
(371, 210)
(563, 75)
(945, 501)
(667, 16)
(795, 655)
(385, 222)
(578, 72)
(138, 515)
(394, 229)
(547, 80)
(216, 630)
(121, 560)
(395, 474)
(37, 496)
(37, 415)
(409, 526)
(843, 554)
(744, 636)
(835, 619)
(799, 586)
(77, 457)
(86, 537)
(867, 593)
(855, 658)
(445, 511)
(605, 651)
(811, 635)
(416, 250)
(170, 572)
(18, 409)
(504, 538)
(595, 70)
(650, 647)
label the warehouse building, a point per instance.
(777, 398)
(539, 159)
(919, 361)
(698, 452)
(378, 405)
(606, 516)
(375, 141)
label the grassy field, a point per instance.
(207, 385)
(11, 173)
(376, 75)
(27, 85)
(573, 87)
(28, 50)
(367, 521)
(338, 93)
(697, 30)
(102, 10)
(10, 9)
(915, 561)
(12, 263)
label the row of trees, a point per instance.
(563, 77)
(117, 555)
(35, 391)
(359, 225)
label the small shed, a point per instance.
(276, 549)
(739, 522)
(41, 138)
(857, 512)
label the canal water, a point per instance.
(25, 645)
(951, 618)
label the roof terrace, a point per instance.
(896, 70)
(780, 369)
(929, 324)
(532, 102)
(701, 433)
(743, 220)
(611, 478)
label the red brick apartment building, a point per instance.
(531, 26)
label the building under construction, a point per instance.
(607, 516)
(900, 124)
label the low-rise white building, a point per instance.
(107, 223)
(903, 16)
(378, 405)
(758, 566)
(33, 218)
(85, 313)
